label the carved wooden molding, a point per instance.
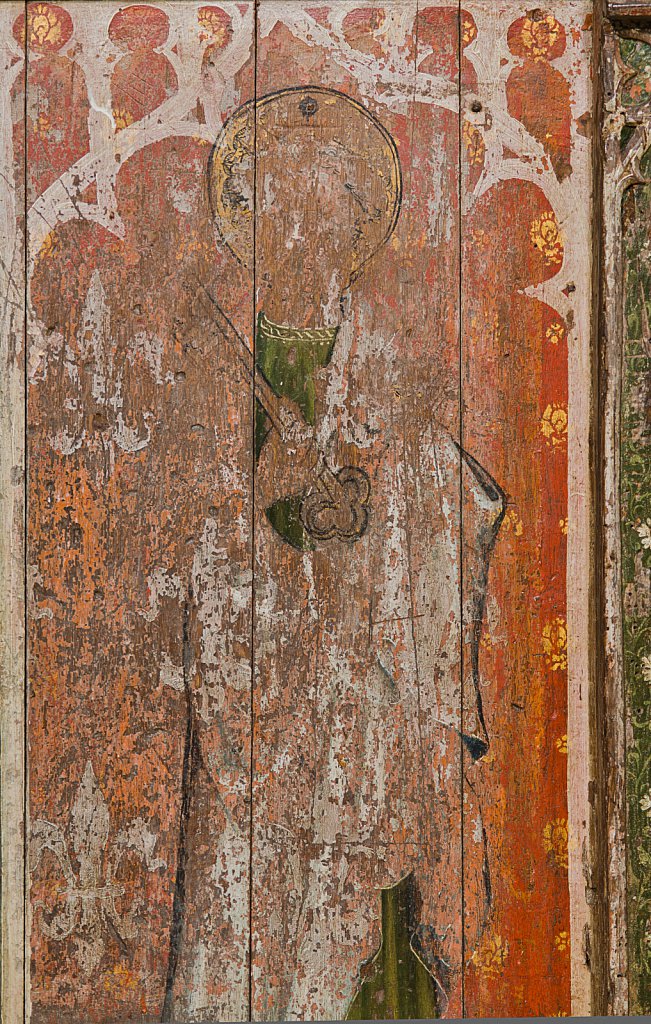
(622, 9)
(626, 198)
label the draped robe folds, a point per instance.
(368, 709)
(368, 732)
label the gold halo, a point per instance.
(231, 167)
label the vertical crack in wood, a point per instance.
(191, 761)
(589, 927)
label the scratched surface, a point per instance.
(304, 281)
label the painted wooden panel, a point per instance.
(308, 293)
(358, 696)
(526, 111)
(139, 497)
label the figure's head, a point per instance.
(327, 196)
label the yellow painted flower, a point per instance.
(191, 247)
(44, 25)
(563, 525)
(554, 424)
(213, 26)
(561, 744)
(555, 837)
(469, 31)
(562, 942)
(122, 119)
(490, 956)
(486, 641)
(475, 145)
(49, 246)
(546, 237)
(42, 125)
(512, 522)
(554, 642)
(540, 35)
(119, 979)
(555, 333)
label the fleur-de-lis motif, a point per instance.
(89, 898)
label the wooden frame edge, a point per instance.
(12, 545)
(619, 171)
(585, 857)
(625, 10)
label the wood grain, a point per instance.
(139, 496)
(357, 698)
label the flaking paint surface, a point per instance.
(235, 744)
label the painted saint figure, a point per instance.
(373, 535)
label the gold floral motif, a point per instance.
(540, 35)
(120, 979)
(554, 641)
(554, 424)
(512, 522)
(562, 942)
(491, 956)
(191, 246)
(563, 526)
(122, 118)
(555, 838)
(214, 28)
(561, 744)
(546, 237)
(42, 125)
(486, 641)
(555, 333)
(469, 31)
(43, 25)
(49, 246)
(475, 145)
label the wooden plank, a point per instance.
(625, 140)
(140, 443)
(626, 187)
(357, 818)
(12, 511)
(526, 384)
